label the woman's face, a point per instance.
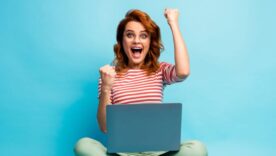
(136, 43)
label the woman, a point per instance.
(138, 77)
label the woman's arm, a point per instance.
(103, 101)
(107, 77)
(182, 63)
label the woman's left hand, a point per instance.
(171, 15)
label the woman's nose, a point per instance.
(136, 39)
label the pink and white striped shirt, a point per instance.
(135, 86)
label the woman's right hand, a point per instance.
(108, 76)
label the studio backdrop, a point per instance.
(51, 52)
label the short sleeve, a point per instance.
(169, 73)
(99, 87)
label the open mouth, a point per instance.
(136, 52)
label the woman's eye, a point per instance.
(143, 36)
(129, 35)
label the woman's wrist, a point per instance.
(105, 88)
(174, 24)
(105, 95)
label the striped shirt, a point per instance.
(135, 86)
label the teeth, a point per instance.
(136, 48)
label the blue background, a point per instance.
(51, 52)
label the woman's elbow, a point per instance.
(103, 130)
(101, 125)
(183, 75)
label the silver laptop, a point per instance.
(143, 127)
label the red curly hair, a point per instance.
(151, 64)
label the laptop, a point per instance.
(143, 127)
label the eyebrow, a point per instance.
(133, 31)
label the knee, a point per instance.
(194, 148)
(82, 145)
